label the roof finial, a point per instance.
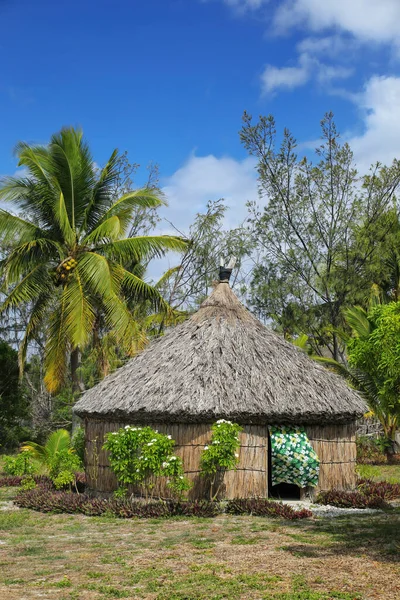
(225, 272)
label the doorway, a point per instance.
(282, 491)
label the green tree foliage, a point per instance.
(67, 253)
(13, 400)
(321, 225)
(186, 286)
(374, 362)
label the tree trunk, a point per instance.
(75, 361)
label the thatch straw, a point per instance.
(222, 363)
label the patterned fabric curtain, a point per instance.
(293, 459)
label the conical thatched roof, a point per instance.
(222, 363)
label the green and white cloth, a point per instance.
(293, 459)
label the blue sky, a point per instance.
(168, 80)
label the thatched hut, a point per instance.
(223, 363)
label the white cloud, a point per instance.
(274, 78)
(369, 20)
(200, 179)
(380, 106)
(244, 5)
(204, 178)
(333, 46)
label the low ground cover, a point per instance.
(78, 557)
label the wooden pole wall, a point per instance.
(249, 479)
(334, 445)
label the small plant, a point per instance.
(140, 455)
(370, 450)
(45, 500)
(28, 483)
(63, 467)
(78, 443)
(22, 464)
(221, 454)
(353, 499)
(262, 507)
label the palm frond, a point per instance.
(38, 451)
(56, 349)
(15, 229)
(73, 169)
(100, 199)
(36, 320)
(356, 317)
(27, 256)
(139, 291)
(138, 248)
(167, 276)
(131, 202)
(79, 312)
(107, 231)
(32, 285)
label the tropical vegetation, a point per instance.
(67, 255)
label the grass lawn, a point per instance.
(380, 472)
(76, 557)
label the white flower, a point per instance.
(236, 455)
(164, 465)
(150, 444)
(169, 437)
(127, 426)
(154, 440)
(137, 470)
(205, 447)
(173, 458)
(156, 430)
(180, 476)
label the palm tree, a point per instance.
(66, 251)
(381, 405)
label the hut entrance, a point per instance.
(280, 491)
(292, 462)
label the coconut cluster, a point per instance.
(65, 269)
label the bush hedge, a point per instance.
(45, 500)
(41, 480)
(261, 507)
(369, 494)
(356, 499)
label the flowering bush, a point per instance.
(22, 464)
(221, 454)
(139, 455)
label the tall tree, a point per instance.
(13, 402)
(188, 284)
(67, 249)
(313, 257)
(373, 354)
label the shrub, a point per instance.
(221, 455)
(262, 507)
(45, 500)
(384, 489)
(354, 499)
(139, 455)
(22, 464)
(42, 480)
(63, 466)
(78, 443)
(370, 450)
